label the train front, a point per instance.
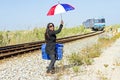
(99, 24)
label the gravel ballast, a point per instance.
(32, 67)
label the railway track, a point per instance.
(10, 50)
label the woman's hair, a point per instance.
(47, 29)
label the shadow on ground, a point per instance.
(63, 68)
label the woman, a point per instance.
(50, 37)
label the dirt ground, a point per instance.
(107, 66)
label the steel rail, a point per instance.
(7, 51)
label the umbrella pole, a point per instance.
(61, 13)
(58, 2)
(61, 16)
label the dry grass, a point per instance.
(75, 59)
(88, 53)
(93, 51)
(37, 34)
(101, 76)
(79, 59)
(76, 69)
(106, 65)
(105, 42)
(117, 62)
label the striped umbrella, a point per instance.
(59, 8)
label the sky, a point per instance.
(28, 14)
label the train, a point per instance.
(95, 24)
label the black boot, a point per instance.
(48, 72)
(52, 71)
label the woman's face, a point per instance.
(51, 27)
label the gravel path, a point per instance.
(107, 66)
(32, 67)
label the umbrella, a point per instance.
(59, 8)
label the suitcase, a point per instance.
(59, 52)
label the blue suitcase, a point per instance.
(59, 52)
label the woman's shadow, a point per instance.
(62, 68)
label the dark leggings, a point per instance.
(50, 49)
(51, 65)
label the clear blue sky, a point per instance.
(27, 14)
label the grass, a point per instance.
(117, 62)
(92, 51)
(76, 69)
(37, 34)
(101, 75)
(87, 54)
(105, 42)
(75, 59)
(79, 59)
(106, 65)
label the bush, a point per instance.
(76, 69)
(75, 59)
(1, 39)
(79, 59)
